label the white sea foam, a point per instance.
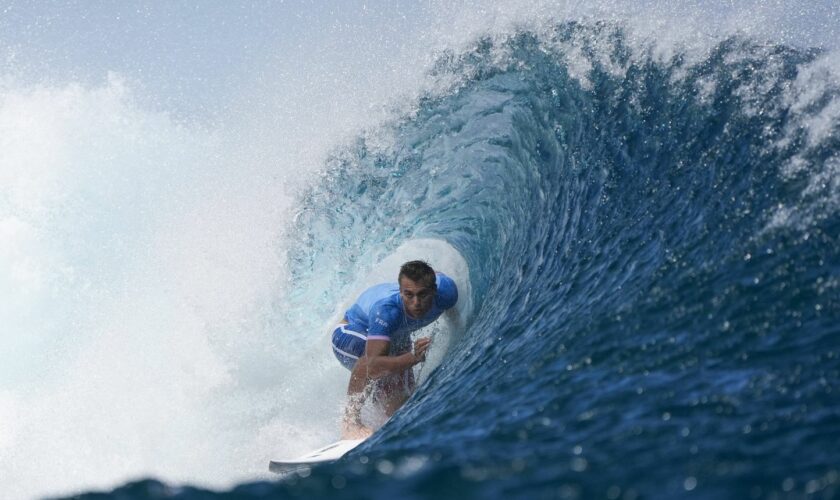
(128, 244)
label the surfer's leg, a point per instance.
(394, 391)
(357, 391)
(349, 346)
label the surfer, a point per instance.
(373, 340)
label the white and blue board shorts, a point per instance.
(348, 345)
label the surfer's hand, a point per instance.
(420, 348)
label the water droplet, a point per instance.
(579, 464)
(385, 467)
(788, 484)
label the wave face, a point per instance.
(653, 251)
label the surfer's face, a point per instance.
(417, 298)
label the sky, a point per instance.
(193, 57)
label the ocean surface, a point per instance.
(648, 247)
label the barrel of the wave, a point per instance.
(384, 338)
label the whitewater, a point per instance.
(639, 203)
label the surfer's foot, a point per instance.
(355, 432)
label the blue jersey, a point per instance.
(379, 312)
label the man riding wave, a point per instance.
(373, 340)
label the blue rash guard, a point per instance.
(379, 314)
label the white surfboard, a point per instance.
(329, 453)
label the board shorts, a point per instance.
(348, 345)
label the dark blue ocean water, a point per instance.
(654, 253)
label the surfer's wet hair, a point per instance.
(418, 272)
